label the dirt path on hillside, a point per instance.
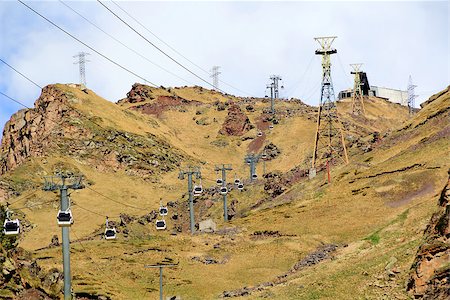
(258, 142)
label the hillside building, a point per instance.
(393, 95)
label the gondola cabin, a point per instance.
(240, 186)
(160, 224)
(110, 233)
(163, 211)
(64, 218)
(264, 156)
(259, 133)
(219, 181)
(198, 190)
(254, 176)
(223, 190)
(237, 181)
(270, 127)
(11, 227)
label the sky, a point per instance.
(249, 40)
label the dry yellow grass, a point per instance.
(358, 208)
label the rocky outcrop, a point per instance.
(36, 131)
(53, 125)
(154, 104)
(430, 272)
(236, 123)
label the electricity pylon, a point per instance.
(411, 96)
(215, 76)
(329, 142)
(189, 172)
(224, 169)
(82, 63)
(59, 182)
(358, 97)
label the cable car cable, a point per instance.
(86, 45)
(156, 47)
(173, 49)
(123, 44)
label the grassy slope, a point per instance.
(317, 214)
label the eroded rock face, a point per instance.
(236, 123)
(53, 125)
(33, 132)
(430, 272)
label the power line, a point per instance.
(86, 45)
(156, 47)
(18, 72)
(173, 49)
(122, 43)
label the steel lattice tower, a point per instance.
(358, 97)
(215, 76)
(329, 143)
(411, 95)
(82, 63)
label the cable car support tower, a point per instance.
(357, 98)
(61, 182)
(190, 171)
(329, 146)
(224, 168)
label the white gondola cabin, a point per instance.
(163, 211)
(198, 190)
(259, 133)
(110, 233)
(11, 227)
(219, 181)
(254, 176)
(223, 190)
(160, 224)
(65, 218)
(240, 186)
(271, 126)
(237, 181)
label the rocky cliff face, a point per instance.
(430, 272)
(55, 126)
(236, 122)
(36, 131)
